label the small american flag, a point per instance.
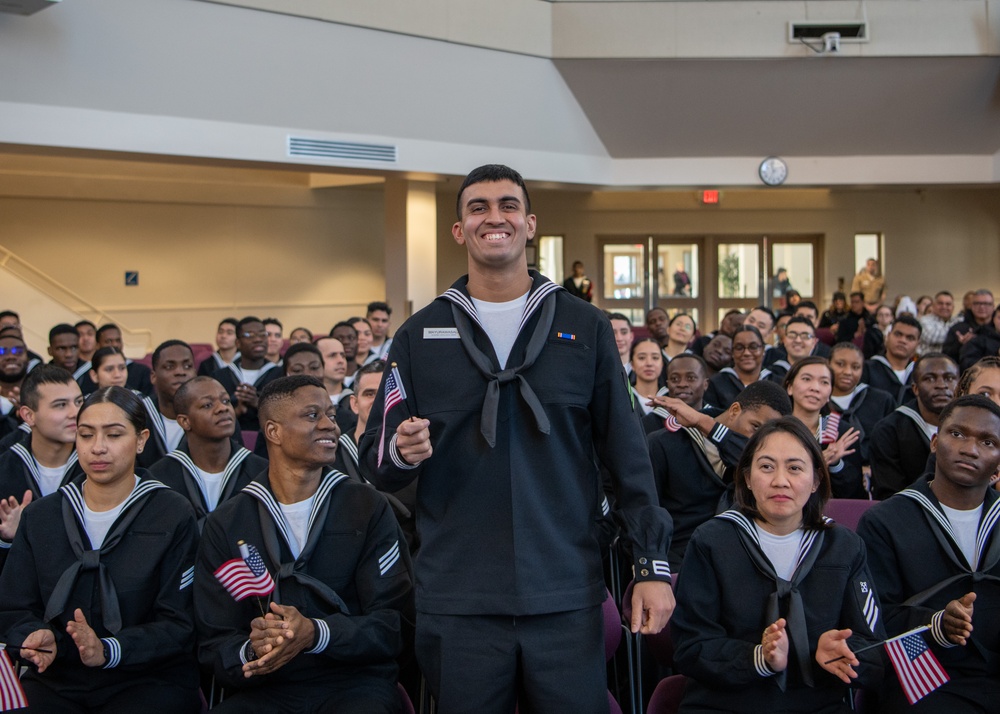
(245, 576)
(916, 666)
(670, 423)
(394, 394)
(11, 693)
(831, 430)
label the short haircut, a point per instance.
(281, 389)
(808, 304)
(939, 293)
(858, 293)
(343, 323)
(932, 355)
(969, 400)
(9, 313)
(619, 316)
(11, 331)
(764, 309)
(846, 346)
(837, 296)
(794, 370)
(908, 320)
(764, 393)
(102, 354)
(655, 309)
(800, 320)
(812, 512)
(981, 291)
(183, 397)
(124, 399)
(85, 323)
(61, 329)
(246, 321)
(272, 321)
(690, 355)
(968, 376)
(42, 374)
(104, 328)
(169, 343)
(229, 321)
(376, 367)
(492, 173)
(298, 348)
(379, 305)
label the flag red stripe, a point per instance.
(11, 692)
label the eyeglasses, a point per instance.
(800, 336)
(982, 304)
(11, 351)
(754, 347)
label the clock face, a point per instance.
(773, 171)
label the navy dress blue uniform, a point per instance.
(867, 408)
(728, 594)
(900, 448)
(919, 567)
(135, 591)
(510, 529)
(352, 578)
(878, 373)
(726, 385)
(231, 377)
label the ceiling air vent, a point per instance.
(849, 31)
(350, 150)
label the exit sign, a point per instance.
(710, 196)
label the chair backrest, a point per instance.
(250, 438)
(612, 627)
(667, 696)
(847, 511)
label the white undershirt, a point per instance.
(98, 523)
(297, 515)
(173, 432)
(500, 320)
(250, 375)
(49, 479)
(966, 527)
(900, 375)
(782, 551)
(211, 487)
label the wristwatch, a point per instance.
(249, 653)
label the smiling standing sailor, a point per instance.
(512, 386)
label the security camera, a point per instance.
(831, 42)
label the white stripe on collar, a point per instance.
(156, 418)
(235, 460)
(74, 495)
(31, 463)
(928, 429)
(350, 447)
(536, 296)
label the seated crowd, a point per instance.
(167, 531)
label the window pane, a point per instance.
(550, 257)
(796, 260)
(623, 274)
(677, 270)
(865, 247)
(739, 270)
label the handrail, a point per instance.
(47, 283)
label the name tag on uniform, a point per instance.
(441, 333)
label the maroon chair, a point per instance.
(250, 438)
(667, 696)
(847, 511)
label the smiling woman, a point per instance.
(112, 584)
(776, 549)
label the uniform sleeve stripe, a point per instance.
(243, 652)
(322, 636)
(605, 506)
(187, 578)
(397, 460)
(871, 611)
(937, 630)
(388, 559)
(661, 568)
(760, 664)
(114, 652)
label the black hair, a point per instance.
(297, 348)
(279, 390)
(304, 329)
(846, 346)
(908, 321)
(124, 399)
(635, 346)
(765, 309)
(62, 329)
(968, 376)
(42, 374)
(272, 321)
(376, 367)
(9, 313)
(619, 316)
(102, 354)
(492, 173)
(764, 393)
(229, 321)
(169, 343)
(691, 355)
(749, 328)
(794, 370)
(858, 293)
(104, 328)
(246, 321)
(85, 323)
(380, 306)
(684, 314)
(343, 323)
(939, 293)
(812, 512)
(800, 320)
(969, 400)
(806, 304)
(929, 356)
(11, 333)
(183, 398)
(837, 296)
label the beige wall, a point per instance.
(934, 239)
(305, 265)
